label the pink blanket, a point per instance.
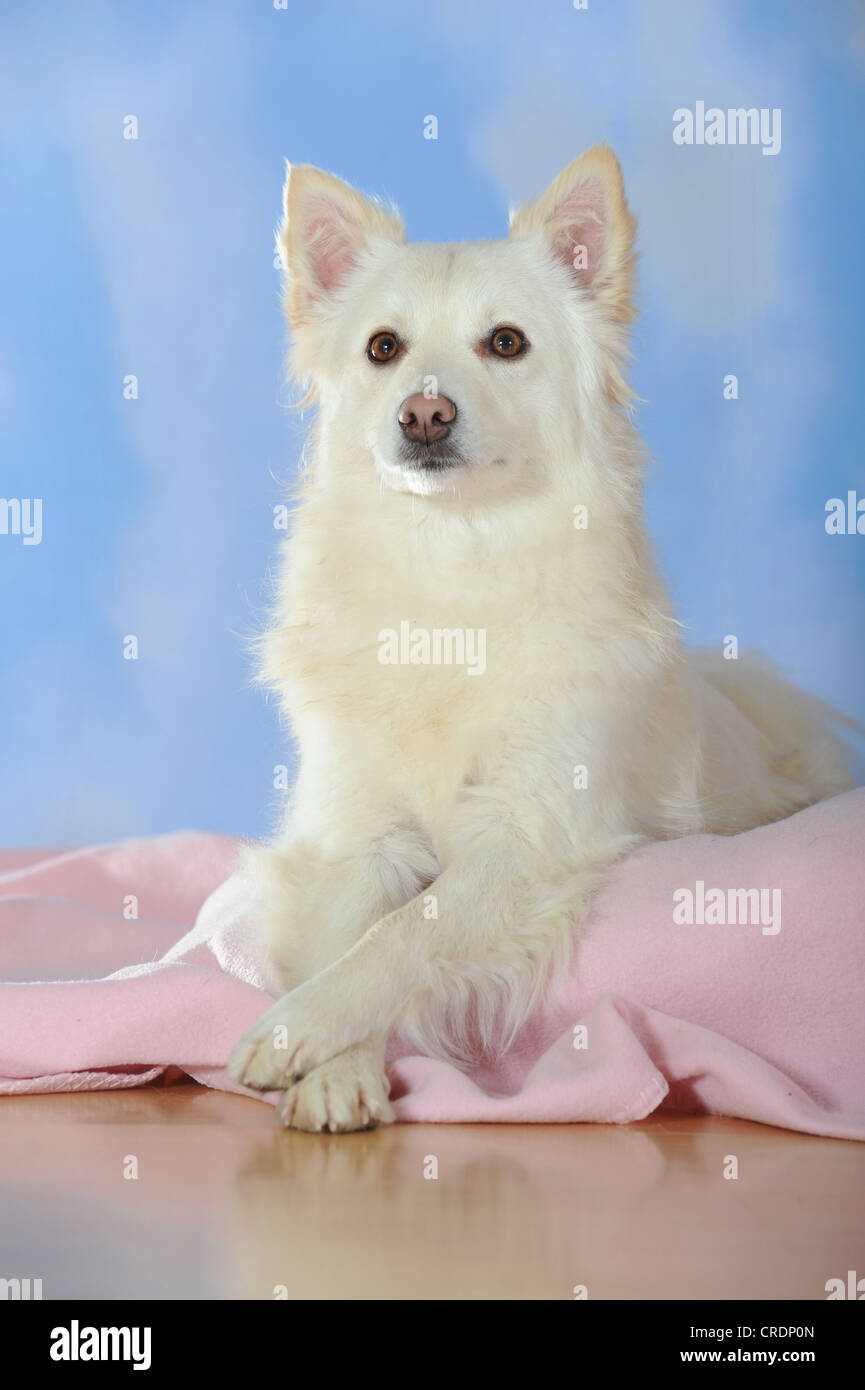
(753, 1007)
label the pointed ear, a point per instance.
(326, 229)
(584, 219)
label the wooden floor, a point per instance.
(226, 1206)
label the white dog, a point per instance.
(473, 644)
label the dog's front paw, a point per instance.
(256, 1062)
(294, 1036)
(347, 1093)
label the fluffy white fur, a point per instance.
(426, 790)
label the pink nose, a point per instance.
(426, 418)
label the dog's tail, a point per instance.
(801, 728)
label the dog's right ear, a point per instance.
(326, 229)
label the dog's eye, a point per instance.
(382, 347)
(507, 342)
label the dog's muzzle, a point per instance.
(425, 422)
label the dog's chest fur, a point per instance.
(350, 650)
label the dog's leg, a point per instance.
(313, 903)
(501, 913)
(524, 854)
(313, 907)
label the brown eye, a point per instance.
(507, 342)
(382, 347)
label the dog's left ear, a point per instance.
(584, 219)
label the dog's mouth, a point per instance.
(430, 458)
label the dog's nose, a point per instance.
(426, 419)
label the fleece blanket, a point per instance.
(717, 974)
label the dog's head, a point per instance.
(459, 369)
